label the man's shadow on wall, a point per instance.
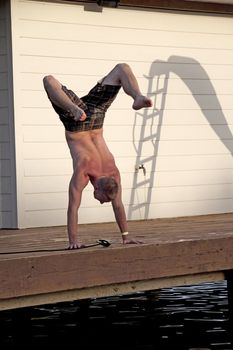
(188, 70)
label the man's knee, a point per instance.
(48, 81)
(122, 66)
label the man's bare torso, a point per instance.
(91, 155)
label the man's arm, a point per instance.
(76, 187)
(119, 212)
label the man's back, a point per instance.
(90, 154)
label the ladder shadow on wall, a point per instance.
(148, 123)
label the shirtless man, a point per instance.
(92, 161)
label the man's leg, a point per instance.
(123, 75)
(54, 90)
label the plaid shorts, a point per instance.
(94, 104)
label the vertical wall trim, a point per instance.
(14, 220)
(15, 102)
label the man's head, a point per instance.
(106, 189)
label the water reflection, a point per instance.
(186, 318)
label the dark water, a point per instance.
(184, 318)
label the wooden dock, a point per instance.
(36, 267)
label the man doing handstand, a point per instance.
(83, 120)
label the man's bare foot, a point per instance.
(78, 114)
(142, 102)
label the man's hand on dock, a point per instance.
(76, 246)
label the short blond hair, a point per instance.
(109, 186)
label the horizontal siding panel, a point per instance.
(58, 167)
(120, 133)
(79, 56)
(173, 148)
(103, 214)
(47, 167)
(195, 147)
(75, 66)
(110, 35)
(166, 147)
(82, 82)
(180, 85)
(160, 210)
(44, 201)
(35, 185)
(58, 201)
(209, 102)
(174, 101)
(194, 193)
(194, 162)
(160, 179)
(188, 178)
(39, 30)
(177, 163)
(114, 117)
(178, 194)
(197, 117)
(58, 218)
(170, 132)
(73, 13)
(190, 208)
(45, 218)
(43, 184)
(180, 80)
(40, 116)
(33, 117)
(176, 84)
(39, 99)
(53, 150)
(40, 133)
(170, 148)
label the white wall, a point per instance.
(183, 61)
(7, 159)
